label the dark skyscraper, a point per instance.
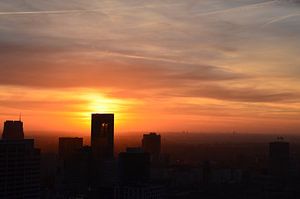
(102, 136)
(134, 166)
(74, 165)
(134, 176)
(19, 164)
(279, 157)
(13, 130)
(67, 147)
(151, 143)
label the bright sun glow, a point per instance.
(97, 103)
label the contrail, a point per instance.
(278, 19)
(82, 10)
(148, 58)
(251, 6)
(49, 12)
(136, 7)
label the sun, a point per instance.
(99, 103)
(93, 101)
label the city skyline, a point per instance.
(172, 66)
(75, 170)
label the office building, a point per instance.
(19, 164)
(76, 173)
(68, 146)
(279, 157)
(70, 164)
(141, 191)
(134, 166)
(102, 136)
(151, 143)
(13, 130)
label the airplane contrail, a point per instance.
(149, 58)
(80, 10)
(49, 12)
(278, 19)
(151, 6)
(251, 6)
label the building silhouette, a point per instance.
(279, 157)
(13, 130)
(76, 172)
(151, 143)
(134, 177)
(102, 136)
(134, 166)
(19, 164)
(68, 146)
(69, 152)
(139, 191)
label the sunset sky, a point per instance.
(159, 65)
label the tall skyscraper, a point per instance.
(19, 164)
(151, 143)
(102, 136)
(13, 130)
(279, 157)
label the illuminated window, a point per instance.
(104, 125)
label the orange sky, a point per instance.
(201, 66)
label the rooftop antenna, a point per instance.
(20, 117)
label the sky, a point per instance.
(159, 65)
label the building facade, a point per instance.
(13, 130)
(19, 164)
(102, 136)
(279, 158)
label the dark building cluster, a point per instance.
(144, 172)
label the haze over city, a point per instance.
(150, 99)
(168, 66)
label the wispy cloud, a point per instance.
(189, 54)
(246, 94)
(246, 7)
(48, 12)
(281, 18)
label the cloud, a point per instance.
(236, 52)
(242, 7)
(281, 18)
(125, 71)
(48, 12)
(244, 94)
(45, 104)
(154, 47)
